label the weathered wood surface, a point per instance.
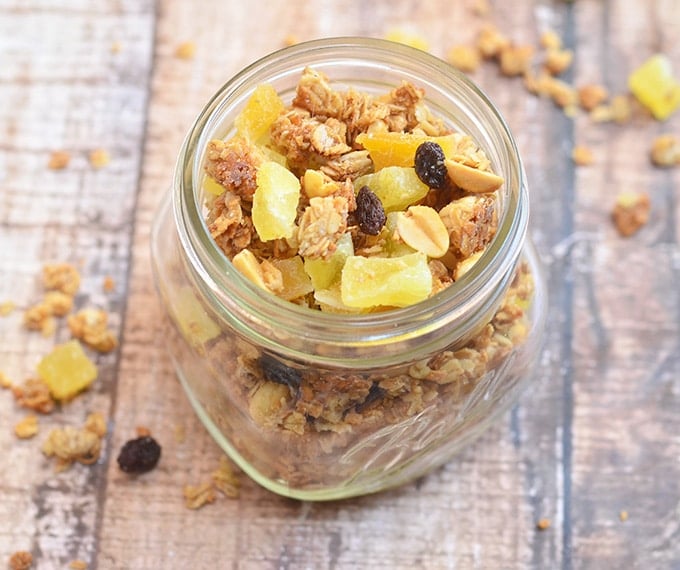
(598, 433)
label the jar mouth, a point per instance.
(352, 61)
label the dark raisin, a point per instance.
(429, 164)
(139, 455)
(276, 371)
(375, 393)
(370, 213)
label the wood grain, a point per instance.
(596, 434)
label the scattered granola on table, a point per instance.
(631, 212)
(70, 444)
(20, 560)
(185, 50)
(34, 394)
(226, 480)
(198, 496)
(99, 158)
(58, 160)
(543, 524)
(666, 151)
(582, 155)
(91, 326)
(27, 427)
(5, 382)
(6, 307)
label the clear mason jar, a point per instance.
(395, 393)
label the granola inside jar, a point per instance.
(314, 390)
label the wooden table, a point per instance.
(598, 433)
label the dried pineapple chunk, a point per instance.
(397, 187)
(261, 110)
(67, 370)
(385, 281)
(275, 201)
(655, 87)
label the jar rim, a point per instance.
(456, 305)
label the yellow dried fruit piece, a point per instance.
(655, 87)
(192, 318)
(324, 272)
(330, 301)
(275, 201)
(67, 370)
(385, 281)
(212, 186)
(397, 187)
(261, 110)
(296, 282)
(421, 228)
(472, 179)
(399, 149)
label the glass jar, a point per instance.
(316, 405)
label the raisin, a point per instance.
(276, 371)
(375, 393)
(430, 166)
(370, 213)
(139, 455)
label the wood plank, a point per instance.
(62, 87)
(626, 315)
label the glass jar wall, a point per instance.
(318, 405)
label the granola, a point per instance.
(296, 211)
(69, 444)
(21, 560)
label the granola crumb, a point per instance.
(291, 40)
(142, 431)
(109, 284)
(481, 8)
(39, 317)
(582, 155)
(61, 276)
(557, 61)
(99, 158)
(6, 307)
(225, 479)
(21, 560)
(58, 303)
(490, 41)
(116, 47)
(623, 516)
(550, 40)
(58, 160)
(464, 58)
(515, 59)
(34, 395)
(69, 444)
(592, 95)
(543, 524)
(78, 565)
(90, 326)
(631, 212)
(186, 50)
(5, 382)
(27, 427)
(198, 496)
(665, 151)
(180, 433)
